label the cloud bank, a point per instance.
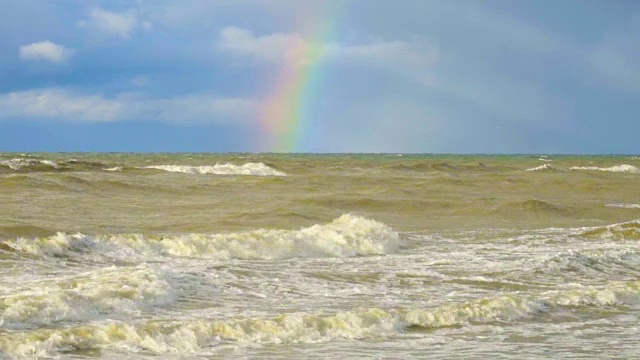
(67, 106)
(413, 58)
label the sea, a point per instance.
(303, 256)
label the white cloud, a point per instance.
(56, 103)
(47, 51)
(63, 105)
(412, 57)
(202, 109)
(113, 23)
(273, 47)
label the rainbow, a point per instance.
(285, 113)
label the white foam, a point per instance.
(255, 169)
(114, 169)
(541, 167)
(624, 168)
(113, 290)
(19, 163)
(624, 205)
(621, 231)
(544, 158)
(346, 236)
(594, 260)
(188, 336)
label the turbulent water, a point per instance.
(326, 256)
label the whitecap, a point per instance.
(255, 169)
(541, 167)
(189, 336)
(346, 236)
(624, 168)
(118, 291)
(624, 205)
(19, 163)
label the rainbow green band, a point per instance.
(286, 111)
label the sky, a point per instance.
(529, 76)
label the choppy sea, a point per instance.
(385, 256)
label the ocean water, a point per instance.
(163, 256)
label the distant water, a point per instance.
(164, 256)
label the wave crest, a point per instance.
(623, 206)
(255, 169)
(542, 167)
(621, 231)
(84, 297)
(346, 236)
(193, 335)
(624, 168)
(18, 164)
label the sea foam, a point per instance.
(189, 336)
(621, 231)
(20, 163)
(541, 167)
(255, 169)
(624, 168)
(624, 205)
(117, 291)
(346, 236)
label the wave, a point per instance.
(188, 336)
(599, 261)
(256, 169)
(18, 164)
(621, 231)
(624, 205)
(624, 168)
(346, 236)
(537, 206)
(542, 167)
(112, 291)
(31, 164)
(18, 230)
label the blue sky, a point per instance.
(465, 76)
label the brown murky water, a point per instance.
(290, 256)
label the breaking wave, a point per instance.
(624, 168)
(256, 169)
(542, 167)
(188, 336)
(31, 164)
(18, 164)
(624, 206)
(589, 261)
(533, 205)
(621, 231)
(112, 291)
(346, 236)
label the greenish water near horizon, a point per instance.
(299, 255)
